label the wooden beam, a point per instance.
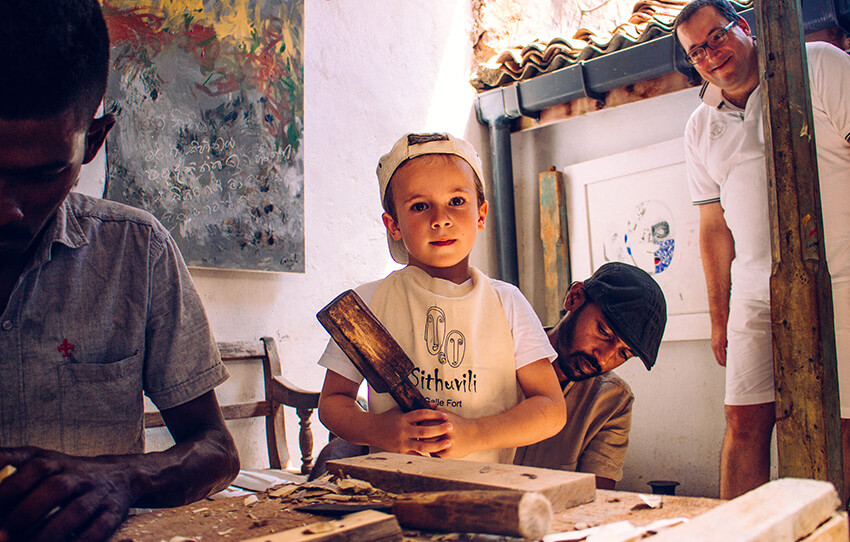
(807, 426)
(556, 243)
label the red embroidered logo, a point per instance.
(65, 348)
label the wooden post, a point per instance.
(556, 244)
(807, 416)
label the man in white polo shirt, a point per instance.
(727, 175)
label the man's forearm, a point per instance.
(717, 248)
(186, 472)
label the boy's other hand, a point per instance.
(421, 432)
(461, 439)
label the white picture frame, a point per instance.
(635, 207)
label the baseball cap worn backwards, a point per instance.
(633, 304)
(413, 145)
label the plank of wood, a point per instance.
(556, 245)
(783, 510)
(371, 349)
(366, 526)
(400, 473)
(834, 530)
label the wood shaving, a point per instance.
(228, 531)
(648, 501)
(321, 527)
(251, 499)
(283, 491)
(196, 510)
(357, 486)
(182, 539)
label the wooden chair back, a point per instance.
(278, 392)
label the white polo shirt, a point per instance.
(725, 160)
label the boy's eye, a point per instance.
(418, 206)
(457, 201)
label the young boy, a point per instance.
(475, 341)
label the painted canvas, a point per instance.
(208, 96)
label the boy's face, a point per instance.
(437, 214)
(40, 160)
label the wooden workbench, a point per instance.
(239, 519)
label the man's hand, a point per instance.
(53, 496)
(421, 432)
(717, 248)
(718, 343)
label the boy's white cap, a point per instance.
(413, 145)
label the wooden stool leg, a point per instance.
(305, 439)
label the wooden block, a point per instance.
(366, 526)
(371, 349)
(556, 244)
(784, 510)
(400, 473)
(834, 530)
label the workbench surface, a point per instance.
(238, 519)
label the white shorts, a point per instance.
(749, 353)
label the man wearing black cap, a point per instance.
(616, 314)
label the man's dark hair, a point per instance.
(723, 7)
(54, 56)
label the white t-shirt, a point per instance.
(530, 340)
(725, 160)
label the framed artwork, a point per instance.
(208, 98)
(634, 207)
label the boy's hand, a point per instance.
(421, 432)
(461, 439)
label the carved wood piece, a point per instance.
(525, 515)
(371, 349)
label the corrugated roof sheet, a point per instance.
(650, 19)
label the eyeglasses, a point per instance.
(715, 40)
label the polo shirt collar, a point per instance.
(712, 96)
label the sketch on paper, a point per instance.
(209, 102)
(646, 239)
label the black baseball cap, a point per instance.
(633, 304)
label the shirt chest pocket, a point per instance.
(102, 406)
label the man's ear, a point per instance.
(575, 297)
(745, 27)
(392, 226)
(96, 135)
